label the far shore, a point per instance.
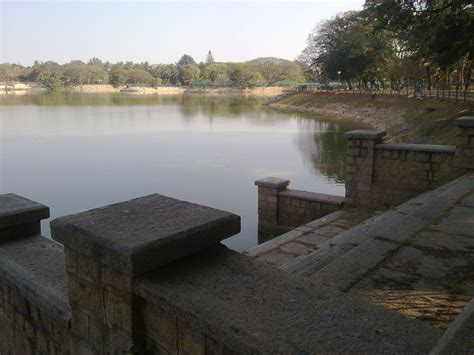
(23, 88)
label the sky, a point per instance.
(159, 31)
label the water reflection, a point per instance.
(75, 152)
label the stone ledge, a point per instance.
(313, 196)
(428, 148)
(16, 210)
(465, 121)
(218, 291)
(142, 234)
(365, 134)
(35, 266)
(272, 182)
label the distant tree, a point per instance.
(118, 77)
(210, 57)
(188, 74)
(50, 81)
(244, 75)
(156, 82)
(139, 76)
(276, 69)
(213, 70)
(186, 60)
(167, 72)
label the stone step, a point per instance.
(347, 256)
(305, 239)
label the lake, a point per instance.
(75, 152)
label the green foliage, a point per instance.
(244, 75)
(188, 74)
(118, 77)
(186, 60)
(50, 81)
(276, 69)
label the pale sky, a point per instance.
(159, 31)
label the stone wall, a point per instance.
(149, 276)
(34, 313)
(382, 175)
(281, 209)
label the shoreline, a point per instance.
(22, 89)
(411, 120)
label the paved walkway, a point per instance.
(416, 259)
(303, 240)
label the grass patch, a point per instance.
(453, 288)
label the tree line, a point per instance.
(186, 72)
(394, 41)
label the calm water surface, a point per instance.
(76, 152)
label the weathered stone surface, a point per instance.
(365, 134)
(429, 148)
(292, 315)
(296, 248)
(458, 338)
(15, 210)
(272, 182)
(35, 265)
(141, 234)
(313, 196)
(465, 121)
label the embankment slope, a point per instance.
(408, 120)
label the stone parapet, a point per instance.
(20, 217)
(381, 175)
(280, 208)
(105, 250)
(464, 157)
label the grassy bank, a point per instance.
(410, 120)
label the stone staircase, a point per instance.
(416, 259)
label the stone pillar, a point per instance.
(268, 190)
(20, 217)
(108, 247)
(360, 162)
(464, 156)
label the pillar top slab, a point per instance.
(142, 234)
(16, 210)
(272, 182)
(366, 134)
(465, 121)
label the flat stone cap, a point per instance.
(272, 182)
(16, 210)
(426, 148)
(465, 121)
(365, 134)
(142, 234)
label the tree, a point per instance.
(50, 81)
(244, 75)
(188, 74)
(346, 47)
(210, 57)
(139, 76)
(214, 70)
(186, 60)
(276, 69)
(118, 77)
(167, 72)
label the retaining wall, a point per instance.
(281, 209)
(382, 175)
(149, 276)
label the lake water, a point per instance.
(75, 152)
